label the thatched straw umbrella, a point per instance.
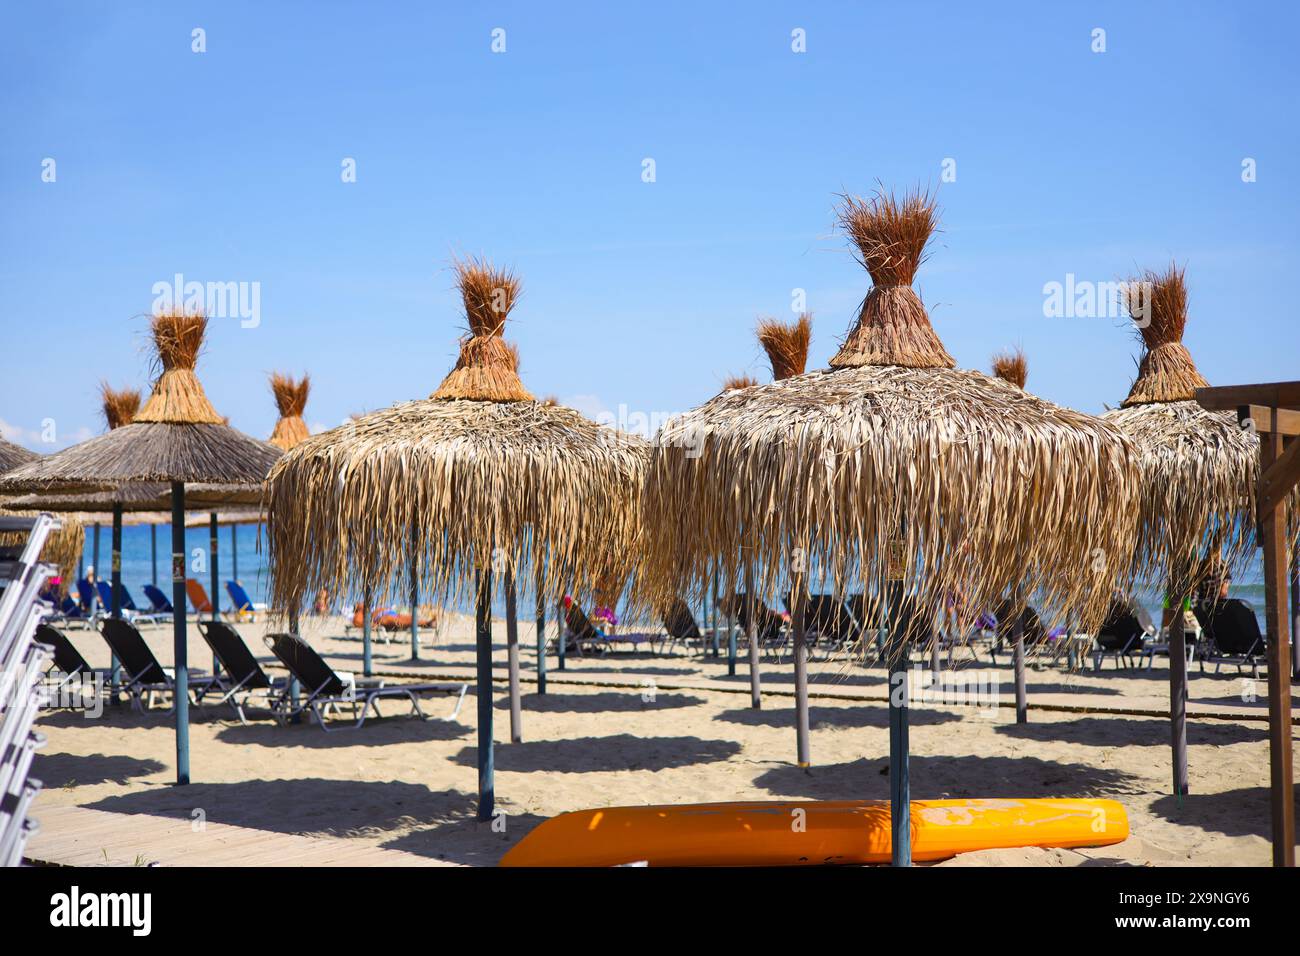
(11, 455)
(786, 345)
(1198, 473)
(894, 469)
(177, 437)
(477, 479)
(64, 546)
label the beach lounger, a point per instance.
(1232, 636)
(143, 678)
(68, 664)
(581, 636)
(199, 599)
(68, 613)
(87, 598)
(1122, 632)
(829, 625)
(327, 690)
(160, 607)
(240, 603)
(771, 627)
(128, 607)
(680, 628)
(242, 676)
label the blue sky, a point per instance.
(225, 166)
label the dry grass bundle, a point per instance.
(891, 235)
(786, 344)
(488, 367)
(478, 476)
(983, 486)
(177, 395)
(11, 455)
(525, 485)
(1197, 478)
(892, 466)
(176, 436)
(734, 382)
(120, 405)
(63, 547)
(291, 400)
(1157, 303)
(1012, 366)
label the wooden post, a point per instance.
(180, 652)
(1178, 695)
(366, 664)
(755, 690)
(541, 639)
(512, 660)
(1018, 656)
(483, 690)
(562, 622)
(900, 790)
(1272, 528)
(415, 601)
(1295, 613)
(799, 600)
(713, 610)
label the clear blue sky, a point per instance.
(225, 166)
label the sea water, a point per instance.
(250, 566)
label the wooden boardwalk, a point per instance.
(78, 836)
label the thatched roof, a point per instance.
(735, 382)
(1198, 467)
(120, 405)
(63, 547)
(1012, 366)
(786, 344)
(968, 482)
(176, 436)
(291, 400)
(11, 455)
(455, 483)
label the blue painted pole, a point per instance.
(153, 553)
(180, 652)
(483, 646)
(900, 790)
(216, 582)
(293, 687)
(115, 588)
(714, 610)
(234, 552)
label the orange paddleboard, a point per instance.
(794, 833)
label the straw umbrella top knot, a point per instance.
(733, 383)
(1012, 366)
(291, 400)
(1157, 303)
(891, 235)
(120, 405)
(488, 367)
(786, 344)
(177, 396)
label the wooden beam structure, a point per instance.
(1273, 410)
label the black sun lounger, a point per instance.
(243, 675)
(326, 690)
(142, 676)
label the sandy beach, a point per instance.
(634, 729)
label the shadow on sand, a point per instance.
(1123, 731)
(1244, 812)
(605, 701)
(948, 777)
(80, 770)
(819, 718)
(604, 754)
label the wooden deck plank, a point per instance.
(81, 836)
